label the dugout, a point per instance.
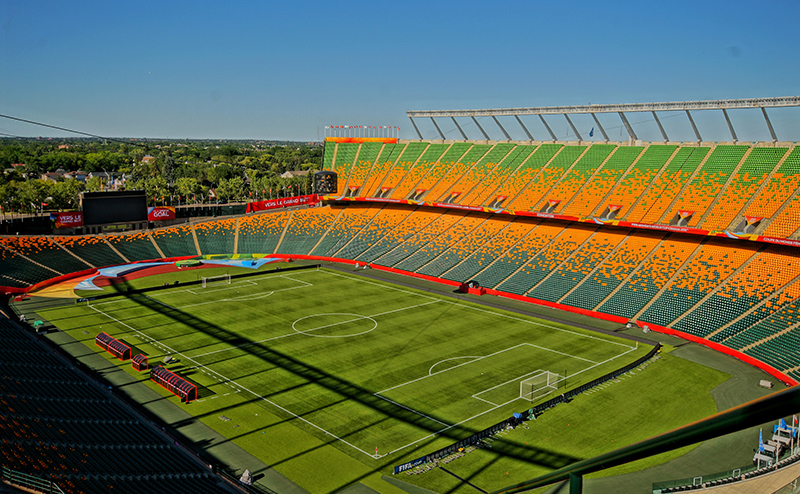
(140, 362)
(113, 346)
(174, 383)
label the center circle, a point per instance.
(332, 322)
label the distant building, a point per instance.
(148, 159)
(52, 176)
(77, 175)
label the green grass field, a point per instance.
(333, 378)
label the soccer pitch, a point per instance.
(379, 368)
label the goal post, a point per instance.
(540, 384)
(219, 279)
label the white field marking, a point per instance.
(231, 286)
(359, 318)
(230, 382)
(308, 332)
(451, 368)
(411, 409)
(434, 434)
(486, 356)
(537, 371)
(233, 384)
(451, 358)
(564, 354)
(227, 349)
(480, 309)
(313, 329)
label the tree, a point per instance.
(187, 186)
(66, 194)
(230, 189)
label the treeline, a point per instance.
(170, 171)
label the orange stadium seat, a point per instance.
(407, 161)
(402, 184)
(716, 260)
(652, 274)
(430, 252)
(663, 189)
(449, 182)
(575, 178)
(259, 233)
(554, 250)
(530, 194)
(481, 194)
(475, 176)
(708, 182)
(360, 169)
(578, 265)
(385, 161)
(754, 171)
(590, 195)
(461, 249)
(437, 171)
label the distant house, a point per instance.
(148, 159)
(51, 176)
(78, 175)
(294, 174)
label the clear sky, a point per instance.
(285, 70)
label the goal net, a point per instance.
(217, 280)
(539, 385)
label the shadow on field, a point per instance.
(314, 375)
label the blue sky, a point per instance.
(285, 70)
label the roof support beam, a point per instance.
(437, 128)
(785, 101)
(416, 128)
(574, 130)
(628, 126)
(508, 137)
(621, 109)
(694, 127)
(459, 128)
(769, 125)
(485, 135)
(660, 127)
(527, 133)
(600, 126)
(730, 125)
(552, 135)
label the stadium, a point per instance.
(439, 315)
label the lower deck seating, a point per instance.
(56, 424)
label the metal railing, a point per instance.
(29, 481)
(772, 407)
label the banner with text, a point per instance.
(68, 219)
(160, 213)
(284, 202)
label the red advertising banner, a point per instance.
(160, 213)
(386, 140)
(68, 219)
(284, 202)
